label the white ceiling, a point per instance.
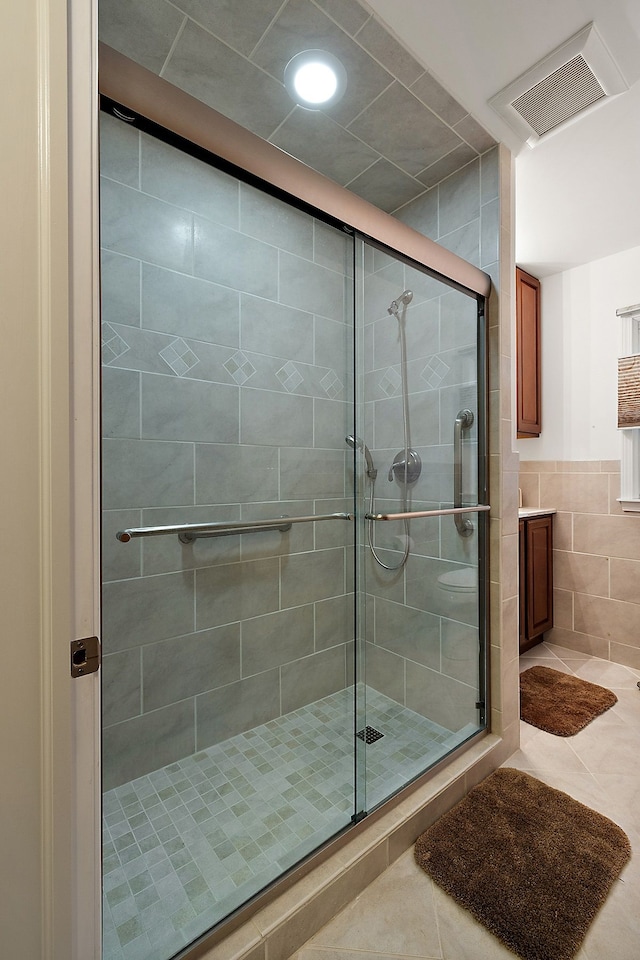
(578, 191)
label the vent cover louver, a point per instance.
(559, 97)
(577, 76)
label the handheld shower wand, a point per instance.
(357, 443)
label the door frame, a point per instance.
(49, 901)
(84, 314)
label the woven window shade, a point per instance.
(629, 391)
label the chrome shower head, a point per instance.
(404, 300)
(357, 443)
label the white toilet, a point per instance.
(460, 589)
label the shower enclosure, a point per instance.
(294, 545)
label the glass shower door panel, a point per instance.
(419, 414)
(228, 709)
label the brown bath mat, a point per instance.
(560, 703)
(529, 862)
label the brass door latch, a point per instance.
(85, 656)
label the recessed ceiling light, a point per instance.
(315, 79)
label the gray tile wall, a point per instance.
(227, 348)
(395, 133)
(226, 396)
(421, 634)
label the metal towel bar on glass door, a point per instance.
(414, 514)
(188, 532)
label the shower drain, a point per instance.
(369, 734)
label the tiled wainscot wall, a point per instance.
(596, 556)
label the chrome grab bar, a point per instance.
(188, 532)
(463, 421)
(448, 511)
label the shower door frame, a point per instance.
(145, 93)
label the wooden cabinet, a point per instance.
(528, 354)
(522, 578)
(536, 579)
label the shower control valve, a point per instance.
(413, 467)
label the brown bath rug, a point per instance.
(529, 862)
(560, 703)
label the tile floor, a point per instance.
(403, 914)
(185, 845)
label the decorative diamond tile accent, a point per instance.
(391, 381)
(331, 384)
(239, 367)
(113, 345)
(435, 372)
(179, 356)
(289, 376)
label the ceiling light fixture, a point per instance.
(315, 79)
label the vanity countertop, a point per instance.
(526, 512)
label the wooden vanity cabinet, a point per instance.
(536, 579)
(528, 386)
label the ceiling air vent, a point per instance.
(576, 77)
(567, 91)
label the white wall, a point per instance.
(580, 347)
(577, 198)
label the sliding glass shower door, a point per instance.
(293, 594)
(228, 697)
(421, 412)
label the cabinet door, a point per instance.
(528, 354)
(539, 573)
(522, 571)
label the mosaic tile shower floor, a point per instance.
(186, 844)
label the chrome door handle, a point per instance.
(415, 514)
